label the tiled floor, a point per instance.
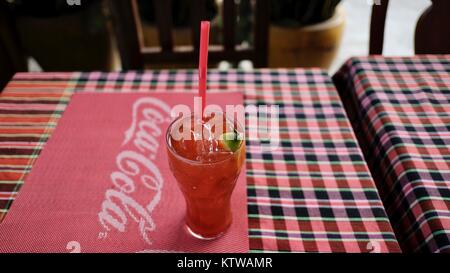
(400, 25)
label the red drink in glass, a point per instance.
(206, 167)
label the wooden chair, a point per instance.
(432, 31)
(134, 55)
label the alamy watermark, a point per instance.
(263, 123)
(373, 2)
(73, 2)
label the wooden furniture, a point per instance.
(134, 55)
(432, 31)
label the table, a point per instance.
(400, 109)
(313, 194)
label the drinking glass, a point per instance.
(206, 165)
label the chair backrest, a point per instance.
(432, 31)
(135, 55)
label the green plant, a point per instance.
(294, 13)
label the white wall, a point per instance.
(400, 25)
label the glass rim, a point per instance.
(195, 162)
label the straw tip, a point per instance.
(204, 24)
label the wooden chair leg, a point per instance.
(127, 30)
(377, 25)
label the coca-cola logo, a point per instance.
(135, 168)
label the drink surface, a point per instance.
(201, 140)
(206, 171)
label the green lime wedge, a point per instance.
(230, 141)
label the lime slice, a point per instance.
(230, 141)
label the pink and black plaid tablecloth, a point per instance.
(313, 194)
(400, 109)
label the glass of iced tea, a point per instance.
(206, 156)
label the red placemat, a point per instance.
(96, 188)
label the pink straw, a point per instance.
(203, 62)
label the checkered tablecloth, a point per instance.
(313, 194)
(400, 109)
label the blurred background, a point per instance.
(400, 27)
(106, 35)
